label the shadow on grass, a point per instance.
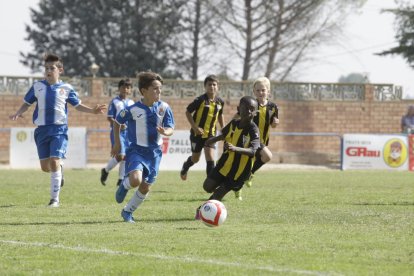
(162, 220)
(385, 203)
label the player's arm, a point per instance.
(23, 108)
(117, 140)
(221, 120)
(197, 130)
(98, 109)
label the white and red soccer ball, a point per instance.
(213, 213)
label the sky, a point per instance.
(365, 33)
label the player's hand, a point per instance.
(275, 122)
(99, 109)
(15, 116)
(123, 127)
(228, 146)
(198, 131)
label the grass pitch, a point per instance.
(289, 223)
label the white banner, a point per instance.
(176, 150)
(366, 151)
(23, 150)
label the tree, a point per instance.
(404, 19)
(122, 37)
(354, 78)
(271, 37)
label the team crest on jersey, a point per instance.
(161, 112)
(122, 113)
(61, 91)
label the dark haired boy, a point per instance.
(203, 114)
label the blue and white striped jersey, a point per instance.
(143, 121)
(116, 105)
(51, 107)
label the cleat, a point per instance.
(53, 203)
(120, 194)
(183, 173)
(104, 176)
(238, 194)
(197, 215)
(249, 182)
(119, 182)
(62, 181)
(127, 216)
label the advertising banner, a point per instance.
(368, 151)
(176, 149)
(23, 151)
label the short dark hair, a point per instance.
(145, 79)
(250, 101)
(124, 82)
(211, 78)
(54, 58)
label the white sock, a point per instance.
(135, 201)
(55, 178)
(126, 183)
(111, 164)
(121, 170)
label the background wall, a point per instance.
(318, 117)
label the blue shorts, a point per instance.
(124, 140)
(143, 159)
(51, 141)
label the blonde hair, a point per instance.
(263, 80)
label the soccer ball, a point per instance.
(213, 213)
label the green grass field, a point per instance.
(324, 222)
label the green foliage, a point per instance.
(404, 22)
(122, 37)
(289, 223)
(354, 78)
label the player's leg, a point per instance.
(121, 158)
(58, 145)
(149, 172)
(112, 162)
(209, 154)
(196, 147)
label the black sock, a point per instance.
(187, 164)
(257, 164)
(219, 193)
(210, 166)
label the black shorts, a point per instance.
(230, 184)
(198, 143)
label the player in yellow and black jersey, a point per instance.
(241, 140)
(203, 114)
(267, 117)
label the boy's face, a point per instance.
(52, 72)
(152, 93)
(246, 110)
(261, 92)
(211, 88)
(125, 91)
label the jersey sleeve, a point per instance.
(168, 120)
(254, 137)
(226, 129)
(194, 105)
(275, 111)
(73, 97)
(30, 97)
(111, 110)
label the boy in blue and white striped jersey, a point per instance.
(51, 117)
(148, 120)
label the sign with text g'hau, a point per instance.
(369, 151)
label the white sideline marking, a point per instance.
(163, 257)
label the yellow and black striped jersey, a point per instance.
(234, 165)
(263, 119)
(205, 113)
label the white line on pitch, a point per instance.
(163, 257)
